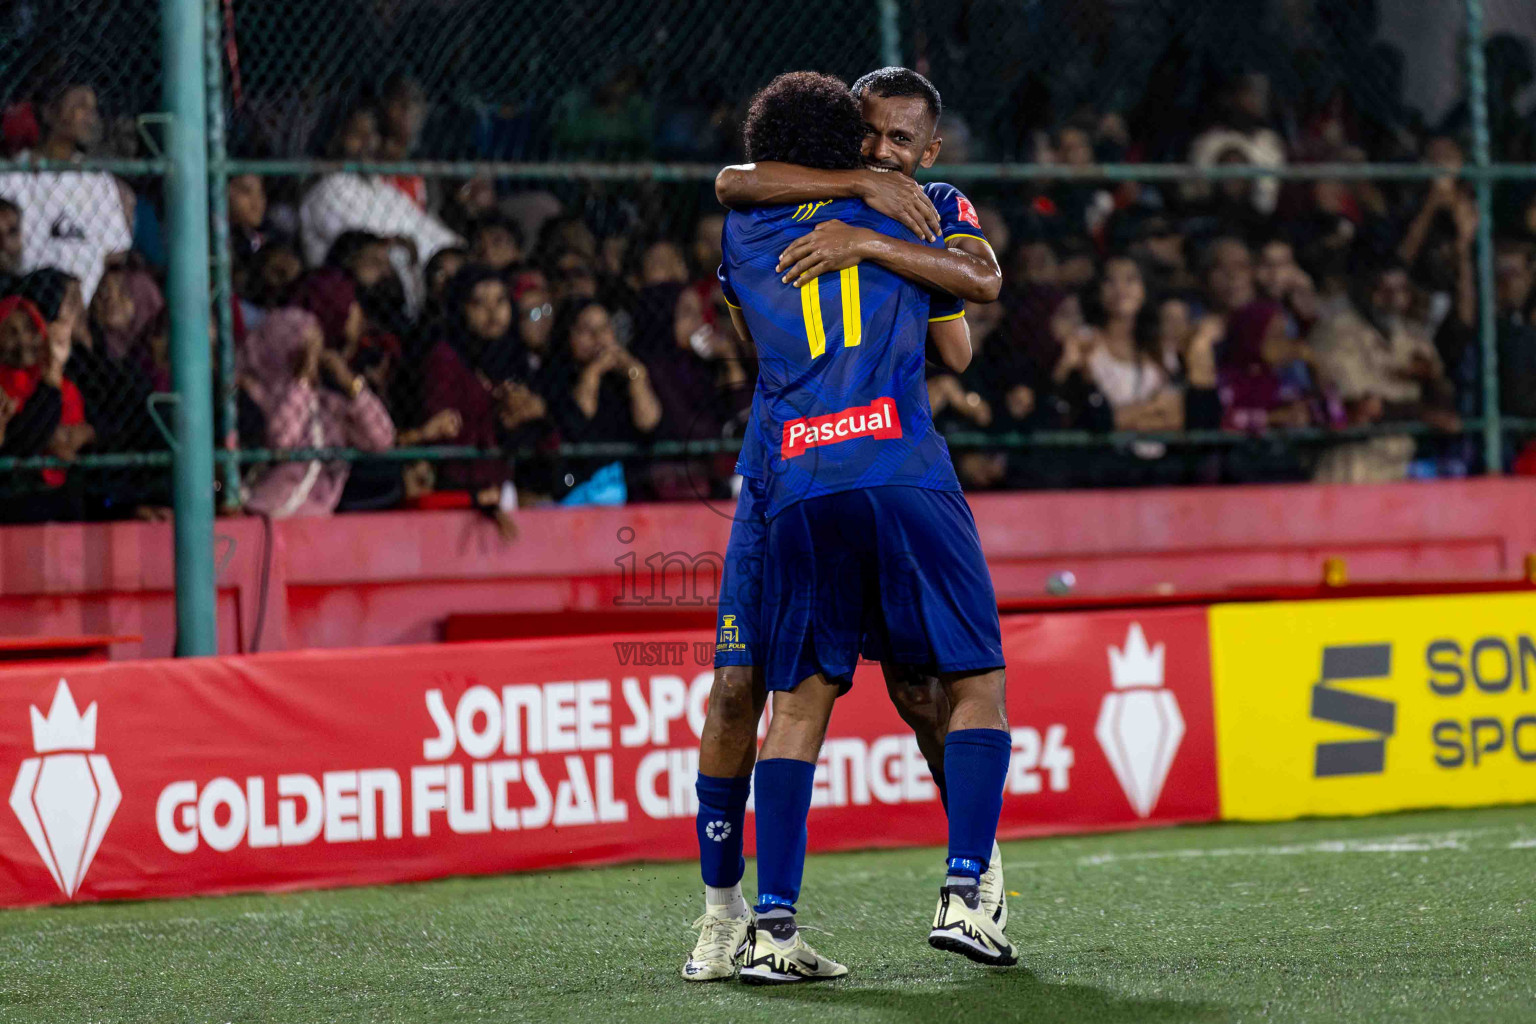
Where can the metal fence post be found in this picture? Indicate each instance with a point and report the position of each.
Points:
(890, 33)
(227, 437)
(1488, 337)
(186, 188)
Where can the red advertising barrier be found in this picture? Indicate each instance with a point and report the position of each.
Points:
(301, 770)
(1118, 704)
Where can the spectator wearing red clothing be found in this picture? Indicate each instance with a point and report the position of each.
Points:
(1279, 278)
(114, 383)
(331, 295)
(44, 413)
(1227, 272)
(476, 372)
(696, 371)
(402, 112)
(1256, 392)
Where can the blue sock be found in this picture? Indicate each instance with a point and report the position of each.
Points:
(783, 800)
(977, 759)
(722, 816)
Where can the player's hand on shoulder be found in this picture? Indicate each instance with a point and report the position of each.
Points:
(903, 200)
(831, 246)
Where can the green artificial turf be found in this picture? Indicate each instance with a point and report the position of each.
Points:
(1412, 917)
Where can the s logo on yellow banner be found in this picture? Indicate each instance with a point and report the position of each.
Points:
(1357, 707)
(1330, 703)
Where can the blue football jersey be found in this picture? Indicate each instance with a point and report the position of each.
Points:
(841, 400)
(957, 219)
(957, 214)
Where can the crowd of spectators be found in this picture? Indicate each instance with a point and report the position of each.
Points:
(569, 324)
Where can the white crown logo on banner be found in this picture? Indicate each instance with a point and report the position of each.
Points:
(65, 728)
(1136, 664)
(66, 796)
(1139, 725)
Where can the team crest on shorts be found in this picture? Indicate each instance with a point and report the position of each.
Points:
(730, 636)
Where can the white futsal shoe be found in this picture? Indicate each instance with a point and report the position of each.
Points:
(721, 941)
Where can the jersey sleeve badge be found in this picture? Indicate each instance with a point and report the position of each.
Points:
(967, 212)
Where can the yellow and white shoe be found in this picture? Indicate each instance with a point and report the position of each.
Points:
(721, 940)
(994, 896)
(966, 927)
(770, 962)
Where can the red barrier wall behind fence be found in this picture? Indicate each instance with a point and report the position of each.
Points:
(393, 578)
(324, 768)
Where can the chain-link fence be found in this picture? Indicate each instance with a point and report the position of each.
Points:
(83, 336)
(428, 216)
(593, 79)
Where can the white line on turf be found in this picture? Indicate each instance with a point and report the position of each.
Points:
(1386, 844)
(150, 924)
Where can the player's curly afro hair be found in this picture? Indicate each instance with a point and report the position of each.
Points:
(806, 118)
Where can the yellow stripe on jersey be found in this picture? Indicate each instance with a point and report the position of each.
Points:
(941, 319)
(853, 330)
(950, 238)
(810, 308)
(728, 302)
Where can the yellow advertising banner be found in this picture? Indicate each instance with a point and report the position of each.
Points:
(1361, 706)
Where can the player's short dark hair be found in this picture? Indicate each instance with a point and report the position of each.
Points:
(805, 118)
(888, 82)
(7, 206)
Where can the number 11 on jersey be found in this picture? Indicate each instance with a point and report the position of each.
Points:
(810, 309)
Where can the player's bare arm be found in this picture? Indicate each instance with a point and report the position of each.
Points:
(900, 137)
(967, 269)
(771, 183)
(744, 332)
(952, 340)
